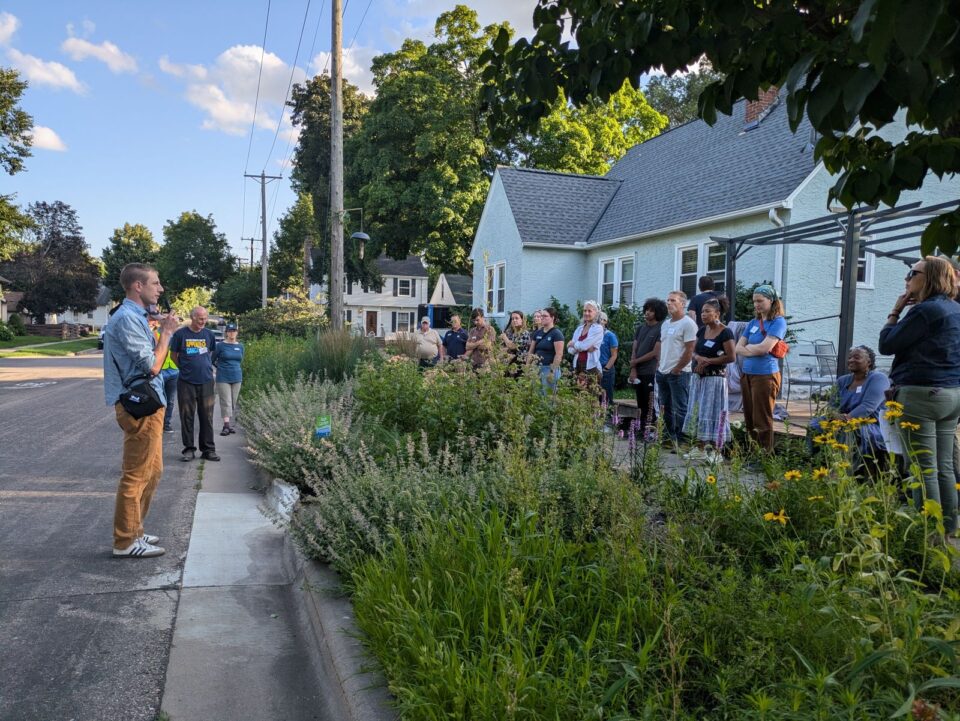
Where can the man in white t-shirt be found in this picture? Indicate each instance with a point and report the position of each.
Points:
(678, 335)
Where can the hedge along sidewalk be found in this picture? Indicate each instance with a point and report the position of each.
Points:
(352, 690)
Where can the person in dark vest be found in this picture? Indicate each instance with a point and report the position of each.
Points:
(707, 292)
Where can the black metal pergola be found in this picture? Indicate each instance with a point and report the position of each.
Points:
(861, 228)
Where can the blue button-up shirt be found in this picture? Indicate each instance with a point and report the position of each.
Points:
(128, 351)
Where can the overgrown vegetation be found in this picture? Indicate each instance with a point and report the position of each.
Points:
(502, 568)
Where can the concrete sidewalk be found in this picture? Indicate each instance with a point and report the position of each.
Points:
(238, 651)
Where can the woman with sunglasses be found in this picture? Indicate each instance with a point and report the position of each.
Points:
(925, 378)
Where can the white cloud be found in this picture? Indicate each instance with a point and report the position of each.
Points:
(87, 28)
(227, 90)
(106, 52)
(46, 139)
(8, 26)
(42, 72)
(356, 66)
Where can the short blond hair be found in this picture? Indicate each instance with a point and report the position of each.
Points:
(679, 293)
(135, 273)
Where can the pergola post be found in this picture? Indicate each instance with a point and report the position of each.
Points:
(732, 280)
(848, 290)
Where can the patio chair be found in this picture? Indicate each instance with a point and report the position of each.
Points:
(811, 365)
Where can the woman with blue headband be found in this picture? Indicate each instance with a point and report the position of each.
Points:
(760, 382)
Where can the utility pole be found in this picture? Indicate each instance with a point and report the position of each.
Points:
(263, 178)
(307, 262)
(335, 284)
(251, 241)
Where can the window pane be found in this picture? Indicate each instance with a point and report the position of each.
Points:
(626, 294)
(606, 294)
(500, 273)
(688, 261)
(608, 272)
(500, 299)
(716, 258)
(719, 282)
(688, 284)
(626, 271)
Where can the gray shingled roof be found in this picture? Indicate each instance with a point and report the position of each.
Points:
(556, 207)
(462, 288)
(696, 171)
(412, 266)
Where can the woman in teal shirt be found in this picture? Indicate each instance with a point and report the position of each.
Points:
(227, 357)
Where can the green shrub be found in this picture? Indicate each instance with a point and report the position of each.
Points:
(5, 332)
(296, 316)
(335, 354)
(271, 359)
(16, 324)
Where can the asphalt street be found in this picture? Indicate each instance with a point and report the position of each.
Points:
(83, 636)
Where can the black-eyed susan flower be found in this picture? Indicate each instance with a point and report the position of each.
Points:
(814, 498)
(819, 473)
(908, 426)
(780, 518)
(712, 479)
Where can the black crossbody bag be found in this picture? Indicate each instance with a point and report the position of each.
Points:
(139, 398)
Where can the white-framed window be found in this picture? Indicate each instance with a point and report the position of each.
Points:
(694, 261)
(864, 268)
(406, 287)
(495, 288)
(616, 281)
(403, 321)
(349, 315)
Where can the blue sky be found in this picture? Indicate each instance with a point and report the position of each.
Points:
(143, 110)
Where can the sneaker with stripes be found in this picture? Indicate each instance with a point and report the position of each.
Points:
(139, 549)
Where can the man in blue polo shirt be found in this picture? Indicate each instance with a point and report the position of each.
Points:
(191, 348)
(455, 339)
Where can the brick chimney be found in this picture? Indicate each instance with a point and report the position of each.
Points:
(756, 109)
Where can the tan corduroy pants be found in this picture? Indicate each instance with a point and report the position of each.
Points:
(141, 469)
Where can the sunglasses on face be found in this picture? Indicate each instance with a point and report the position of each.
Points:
(912, 273)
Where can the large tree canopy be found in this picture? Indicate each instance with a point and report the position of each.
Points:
(15, 141)
(849, 65)
(193, 254)
(129, 244)
(53, 267)
(676, 95)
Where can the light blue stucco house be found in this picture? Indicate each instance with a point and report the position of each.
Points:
(645, 227)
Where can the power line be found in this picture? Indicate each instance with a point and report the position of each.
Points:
(293, 69)
(360, 25)
(246, 163)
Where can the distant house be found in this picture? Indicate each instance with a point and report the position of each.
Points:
(9, 300)
(645, 227)
(97, 317)
(3, 300)
(390, 309)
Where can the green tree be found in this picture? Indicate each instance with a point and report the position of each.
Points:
(286, 250)
(15, 141)
(850, 66)
(241, 292)
(676, 95)
(421, 158)
(590, 138)
(129, 244)
(53, 267)
(193, 255)
(310, 111)
(189, 298)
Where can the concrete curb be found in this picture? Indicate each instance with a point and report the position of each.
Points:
(352, 690)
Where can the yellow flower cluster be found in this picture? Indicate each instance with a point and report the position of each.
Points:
(780, 518)
(712, 480)
(908, 426)
(894, 410)
(821, 472)
(792, 475)
(814, 498)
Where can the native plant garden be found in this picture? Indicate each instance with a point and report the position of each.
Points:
(502, 566)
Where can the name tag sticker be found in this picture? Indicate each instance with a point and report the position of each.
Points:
(708, 343)
(859, 389)
(671, 331)
(754, 329)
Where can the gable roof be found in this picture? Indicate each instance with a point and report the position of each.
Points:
(697, 171)
(462, 288)
(411, 266)
(557, 208)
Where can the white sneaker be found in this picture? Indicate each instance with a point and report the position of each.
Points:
(139, 549)
(151, 539)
